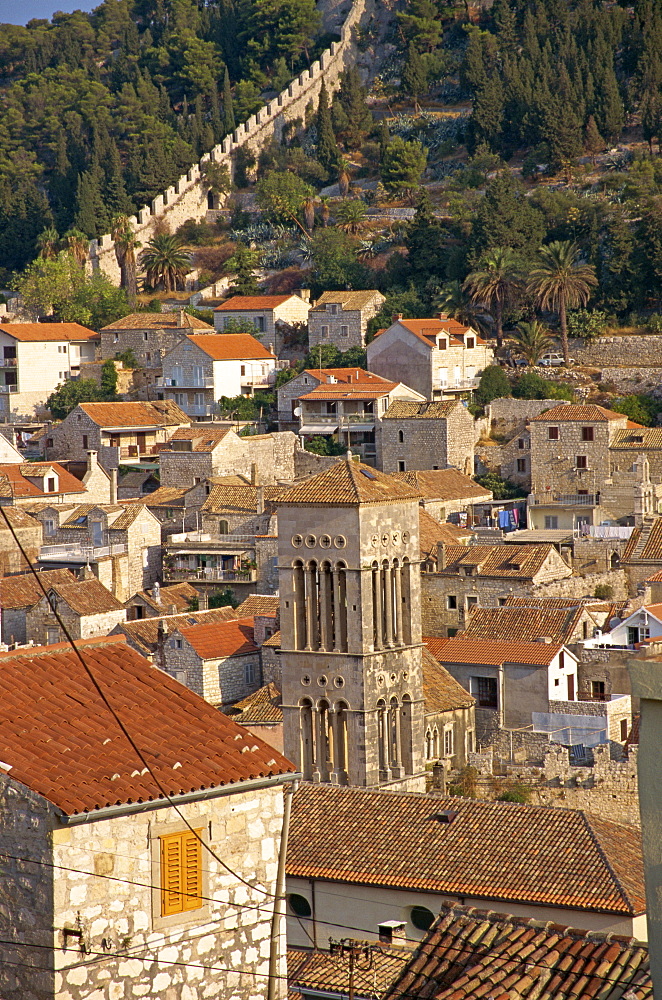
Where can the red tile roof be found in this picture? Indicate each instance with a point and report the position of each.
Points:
(231, 346)
(162, 413)
(211, 642)
(327, 974)
(354, 390)
(445, 484)
(587, 414)
(349, 482)
(472, 953)
(87, 597)
(441, 692)
(260, 707)
(158, 321)
(264, 605)
(537, 855)
(496, 652)
(14, 481)
(424, 328)
(514, 623)
(145, 631)
(344, 375)
(59, 739)
(239, 302)
(47, 331)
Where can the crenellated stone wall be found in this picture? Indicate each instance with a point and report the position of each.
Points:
(187, 197)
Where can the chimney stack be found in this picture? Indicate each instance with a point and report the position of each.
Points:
(441, 556)
(392, 931)
(113, 485)
(260, 500)
(396, 317)
(92, 460)
(183, 319)
(156, 592)
(203, 601)
(255, 476)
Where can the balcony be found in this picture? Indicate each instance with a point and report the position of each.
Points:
(8, 388)
(79, 553)
(563, 499)
(187, 382)
(200, 409)
(210, 574)
(8, 362)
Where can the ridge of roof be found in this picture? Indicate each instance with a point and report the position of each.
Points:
(348, 482)
(477, 649)
(156, 321)
(589, 412)
(237, 302)
(37, 332)
(163, 413)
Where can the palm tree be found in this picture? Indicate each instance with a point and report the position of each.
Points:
(165, 261)
(532, 340)
(126, 243)
(47, 243)
(343, 176)
(78, 244)
(496, 283)
(350, 215)
(560, 280)
(325, 211)
(455, 303)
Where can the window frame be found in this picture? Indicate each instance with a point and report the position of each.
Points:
(581, 462)
(553, 433)
(199, 914)
(481, 701)
(588, 434)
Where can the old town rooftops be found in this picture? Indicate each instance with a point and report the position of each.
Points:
(428, 330)
(488, 850)
(86, 597)
(160, 413)
(494, 652)
(471, 953)
(441, 692)
(219, 639)
(261, 707)
(23, 591)
(178, 320)
(230, 347)
(238, 303)
(59, 739)
(514, 623)
(444, 484)
(349, 482)
(507, 561)
(15, 480)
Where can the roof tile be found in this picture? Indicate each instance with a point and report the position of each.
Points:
(47, 331)
(348, 482)
(231, 346)
(214, 640)
(161, 413)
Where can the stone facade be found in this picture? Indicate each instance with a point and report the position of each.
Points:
(42, 628)
(110, 940)
(29, 532)
(40, 366)
(149, 343)
(341, 318)
(453, 731)
(426, 440)
(220, 680)
(270, 318)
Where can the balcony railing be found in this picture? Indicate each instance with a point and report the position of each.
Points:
(8, 388)
(189, 382)
(360, 417)
(460, 383)
(201, 409)
(79, 553)
(563, 499)
(8, 362)
(212, 574)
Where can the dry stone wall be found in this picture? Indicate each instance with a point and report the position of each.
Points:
(187, 198)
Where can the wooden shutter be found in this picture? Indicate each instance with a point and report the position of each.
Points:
(181, 873)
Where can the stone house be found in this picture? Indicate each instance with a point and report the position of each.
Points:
(205, 367)
(440, 358)
(109, 888)
(99, 485)
(159, 600)
(643, 553)
(567, 622)
(122, 544)
(32, 481)
(149, 335)
(291, 392)
(29, 532)
(148, 635)
(510, 679)
(510, 459)
(434, 534)
(450, 723)
(419, 436)
(341, 318)
(242, 562)
(219, 661)
(402, 857)
(136, 483)
(18, 594)
(176, 508)
(85, 605)
(36, 359)
(446, 493)
(270, 315)
(348, 407)
(485, 575)
(120, 433)
(260, 712)
(244, 510)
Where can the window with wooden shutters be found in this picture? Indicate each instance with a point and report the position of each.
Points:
(181, 873)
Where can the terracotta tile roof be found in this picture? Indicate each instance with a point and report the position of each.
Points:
(238, 499)
(14, 481)
(507, 561)
(529, 624)
(262, 706)
(405, 409)
(145, 631)
(490, 850)
(239, 302)
(157, 321)
(265, 605)
(435, 644)
(231, 347)
(348, 482)
(273, 641)
(637, 439)
(320, 972)
(642, 546)
(87, 597)
(230, 480)
(23, 591)
(348, 300)
(218, 639)
(164, 496)
(18, 519)
(60, 740)
(347, 390)
(588, 414)
(201, 438)
(130, 514)
(162, 413)
(431, 531)
(47, 331)
(444, 484)
(177, 594)
(496, 652)
(477, 953)
(441, 692)
(326, 375)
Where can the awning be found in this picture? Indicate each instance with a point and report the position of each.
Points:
(318, 429)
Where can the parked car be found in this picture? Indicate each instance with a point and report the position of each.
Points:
(552, 360)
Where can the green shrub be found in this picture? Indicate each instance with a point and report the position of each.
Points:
(603, 591)
(642, 409)
(502, 489)
(493, 385)
(587, 323)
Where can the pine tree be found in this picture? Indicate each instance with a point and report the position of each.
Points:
(88, 195)
(487, 116)
(228, 109)
(114, 192)
(593, 141)
(413, 79)
(384, 138)
(611, 115)
(615, 263)
(327, 148)
(352, 95)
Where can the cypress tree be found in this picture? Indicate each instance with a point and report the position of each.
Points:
(88, 196)
(115, 197)
(384, 138)
(593, 141)
(229, 124)
(327, 149)
(413, 79)
(215, 113)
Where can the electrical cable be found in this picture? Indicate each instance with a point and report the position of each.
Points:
(121, 725)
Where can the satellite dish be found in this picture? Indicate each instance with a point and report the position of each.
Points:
(297, 411)
(614, 622)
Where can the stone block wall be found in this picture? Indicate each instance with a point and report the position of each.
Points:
(641, 350)
(427, 443)
(187, 198)
(506, 414)
(40, 620)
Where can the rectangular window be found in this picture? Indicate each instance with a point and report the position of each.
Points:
(471, 602)
(471, 744)
(402, 466)
(553, 433)
(502, 602)
(249, 673)
(581, 462)
(451, 602)
(181, 398)
(448, 742)
(52, 636)
(470, 342)
(521, 465)
(50, 485)
(259, 323)
(598, 690)
(442, 343)
(243, 369)
(84, 440)
(49, 526)
(561, 660)
(145, 335)
(344, 331)
(624, 730)
(485, 691)
(325, 333)
(181, 873)
(587, 433)
(551, 522)
(520, 443)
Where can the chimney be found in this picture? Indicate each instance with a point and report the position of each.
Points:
(156, 592)
(396, 317)
(546, 639)
(203, 602)
(113, 485)
(183, 321)
(392, 931)
(260, 500)
(441, 556)
(161, 636)
(92, 462)
(255, 476)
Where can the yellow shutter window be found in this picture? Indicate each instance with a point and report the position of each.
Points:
(181, 873)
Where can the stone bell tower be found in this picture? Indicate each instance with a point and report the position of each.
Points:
(350, 628)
